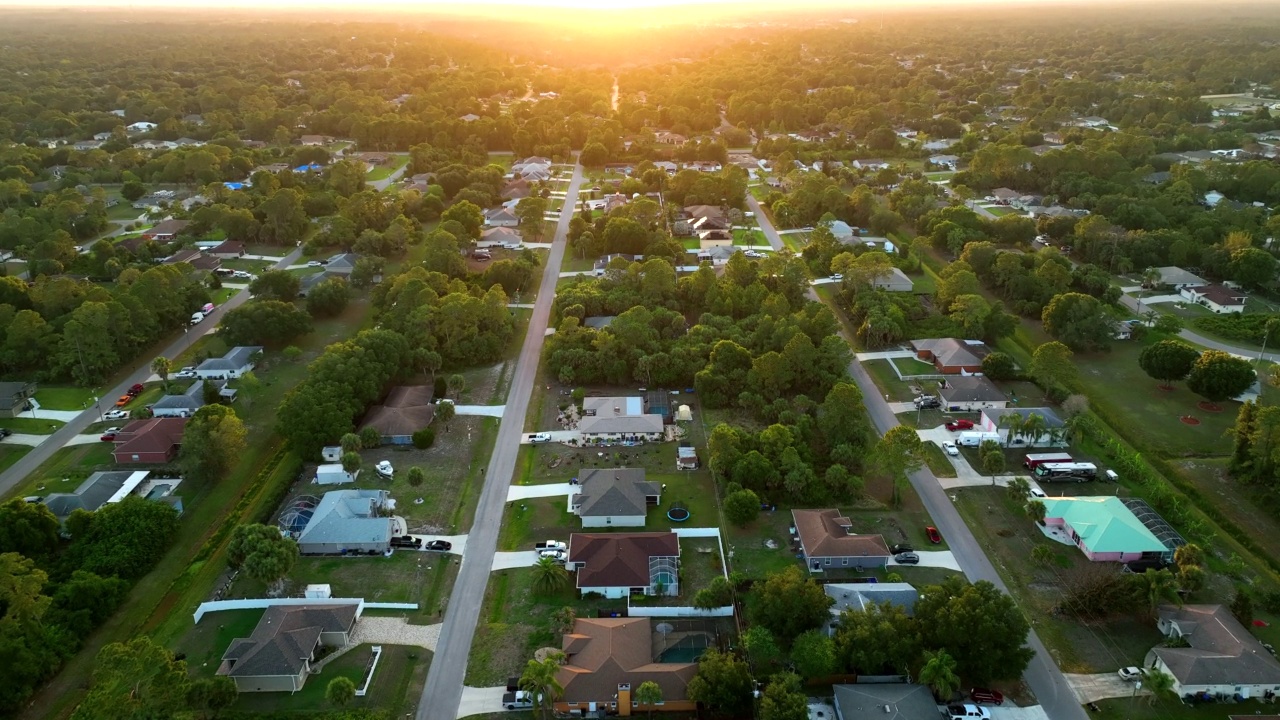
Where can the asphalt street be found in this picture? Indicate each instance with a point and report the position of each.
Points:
(141, 371)
(1133, 304)
(1045, 679)
(442, 695)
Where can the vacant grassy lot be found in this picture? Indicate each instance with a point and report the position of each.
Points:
(382, 172)
(54, 397)
(887, 380)
(910, 366)
(1007, 535)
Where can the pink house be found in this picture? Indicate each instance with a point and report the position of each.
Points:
(1105, 529)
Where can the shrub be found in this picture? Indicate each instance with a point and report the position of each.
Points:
(424, 438)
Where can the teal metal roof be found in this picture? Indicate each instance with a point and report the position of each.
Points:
(1104, 524)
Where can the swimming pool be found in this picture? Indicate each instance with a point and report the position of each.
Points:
(685, 650)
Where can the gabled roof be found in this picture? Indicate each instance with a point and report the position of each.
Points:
(825, 533)
(950, 351)
(1221, 295)
(971, 388)
(284, 639)
(190, 399)
(167, 227)
(149, 436)
(1104, 524)
(235, 359)
(344, 263)
(406, 410)
(860, 596)
(619, 559)
(1172, 275)
(603, 653)
(1222, 652)
(101, 488)
(349, 516)
(501, 235)
(621, 491)
(501, 215)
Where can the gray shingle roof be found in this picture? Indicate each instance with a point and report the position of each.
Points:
(93, 493)
(192, 399)
(236, 358)
(284, 639)
(859, 596)
(970, 389)
(1222, 652)
(620, 491)
(348, 516)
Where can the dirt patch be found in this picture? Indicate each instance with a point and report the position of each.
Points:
(1207, 406)
(1189, 420)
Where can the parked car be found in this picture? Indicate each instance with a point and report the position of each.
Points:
(1037, 493)
(540, 437)
(186, 372)
(241, 274)
(136, 389)
(960, 424)
(384, 469)
(967, 712)
(935, 537)
(518, 700)
(109, 434)
(837, 276)
(950, 448)
(557, 555)
(983, 695)
(406, 541)
(928, 402)
(907, 558)
(124, 400)
(115, 415)
(5, 432)
(1129, 674)
(901, 548)
(315, 263)
(439, 545)
(551, 545)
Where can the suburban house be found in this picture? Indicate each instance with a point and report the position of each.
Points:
(1105, 529)
(827, 542)
(857, 597)
(498, 236)
(870, 164)
(604, 262)
(341, 264)
(666, 166)
(617, 565)
(149, 442)
(708, 239)
(695, 217)
(598, 322)
(182, 405)
(842, 230)
(100, 488)
(310, 282)
(1177, 278)
(238, 361)
(406, 410)
(618, 418)
(669, 138)
(515, 189)
(606, 661)
(718, 255)
(946, 161)
(1005, 196)
(534, 169)
(165, 230)
(195, 258)
(951, 356)
(228, 250)
(1223, 655)
(277, 656)
(970, 393)
(614, 497)
(893, 281)
(884, 701)
(990, 421)
(14, 397)
(351, 522)
(140, 126)
(1218, 298)
(501, 217)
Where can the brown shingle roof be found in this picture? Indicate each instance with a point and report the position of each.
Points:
(1222, 295)
(284, 639)
(407, 410)
(619, 559)
(150, 436)
(950, 351)
(167, 227)
(824, 533)
(605, 652)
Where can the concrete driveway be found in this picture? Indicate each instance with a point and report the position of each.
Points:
(485, 410)
(556, 436)
(517, 559)
(481, 701)
(1100, 686)
(39, 413)
(459, 543)
(932, 558)
(523, 492)
(1009, 712)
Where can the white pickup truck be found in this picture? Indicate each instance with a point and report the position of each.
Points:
(540, 437)
(518, 700)
(551, 545)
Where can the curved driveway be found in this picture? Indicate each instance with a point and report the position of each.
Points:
(1251, 353)
(1046, 680)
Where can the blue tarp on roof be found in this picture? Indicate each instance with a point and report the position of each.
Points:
(307, 168)
(234, 185)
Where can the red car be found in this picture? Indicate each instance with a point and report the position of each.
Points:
(960, 425)
(983, 695)
(136, 390)
(107, 437)
(934, 536)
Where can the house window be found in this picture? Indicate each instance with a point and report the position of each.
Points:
(827, 561)
(845, 562)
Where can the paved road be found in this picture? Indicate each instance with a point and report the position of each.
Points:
(142, 370)
(1043, 675)
(385, 183)
(442, 695)
(1251, 353)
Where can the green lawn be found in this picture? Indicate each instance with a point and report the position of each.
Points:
(887, 380)
(923, 284)
(1141, 708)
(382, 172)
(911, 366)
(1151, 413)
(691, 244)
(937, 461)
(123, 210)
(31, 426)
(54, 397)
(1000, 211)
(66, 469)
(10, 454)
(749, 237)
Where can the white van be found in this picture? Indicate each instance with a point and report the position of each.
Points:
(196, 317)
(974, 439)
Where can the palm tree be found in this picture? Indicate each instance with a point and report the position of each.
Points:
(539, 678)
(1036, 511)
(1018, 489)
(1012, 422)
(549, 576)
(1161, 586)
(649, 693)
(939, 673)
(1034, 427)
(1151, 277)
(1159, 682)
(161, 367)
